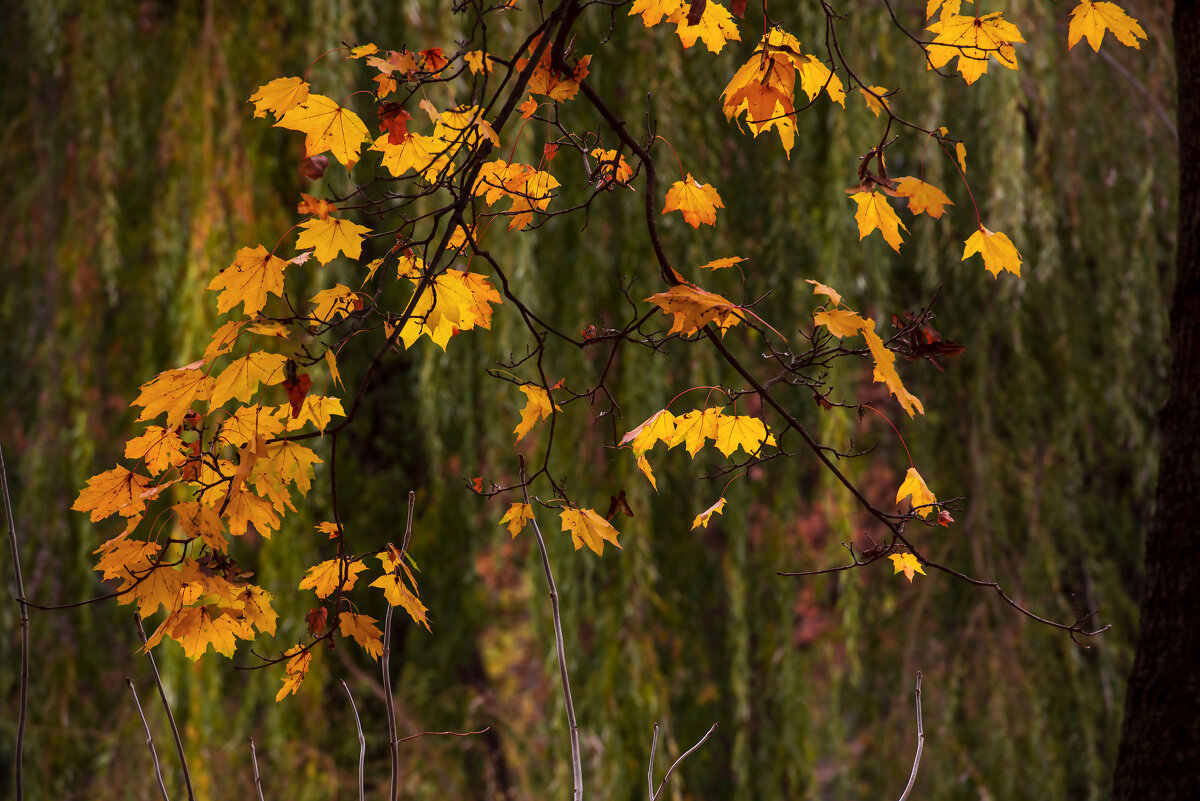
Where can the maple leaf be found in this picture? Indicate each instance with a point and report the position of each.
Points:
(721, 264)
(698, 202)
(815, 76)
(840, 322)
(453, 303)
(821, 289)
(243, 376)
(327, 126)
(611, 168)
(874, 212)
(334, 303)
(325, 578)
(158, 448)
(393, 121)
(907, 564)
(885, 370)
(586, 527)
(297, 391)
(256, 609)
(715, 27)
(331, 236)
(528, 188)
(318, 410)
(998, 251)
(173, 392)
(248, 423)
(423, 154)
(764, 88)
(537, 407)
(923, 197)
(516, 517)
(315, 206)
(972, 40)
(363, 630)
(478, 62)
(198, 520)
(198, 627)
(694, 428)
(279, 96)
(701, 520)
(331, 363)
(253, 275)
(362, 51)
(397, 594)
(741, 431)
(915, 489)
(660, 427)
(294, 672)
(643, 464)
(693, 308)
(122, 557)
(1092, 19)
(117, 491)
(244, 509)
(154, 588)
(875, 98)
(528, 108)
(291, 462)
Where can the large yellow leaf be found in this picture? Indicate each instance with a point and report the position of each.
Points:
(922, 197)
(741, 431)
(198, 627)
(694, 428)
(173, 392)
(327, 126)
(1091, 20)
(117, 491)
(840, 322)
(697, 202)
(253, 274)
(158, 448)
(874, 212)
(972, 40)
(693, 308)
(324, 578)
(279, 96)
(516, 517)
(659, 428)
(588, 528)
(243, 376)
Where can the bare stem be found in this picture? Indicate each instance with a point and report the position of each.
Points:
(662, 785)
(162, 787)
(362, 746)
(257, 778)
(18, 759)
(388, 700)
(912, 777)
(573, 726)
(162, 694)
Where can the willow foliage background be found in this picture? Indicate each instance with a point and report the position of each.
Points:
(134, 173)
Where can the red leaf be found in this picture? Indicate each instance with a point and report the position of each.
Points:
(316, 620)
(296, 392)
(314, 167)
(696, 12)
(393, 120)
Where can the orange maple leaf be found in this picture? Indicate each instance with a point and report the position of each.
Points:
(698, 202)
(363, 630)
(253, 275)
(294, 672)
(923, 197)
(243, 376)
(158, 448)
(173, 392)
(907, 564)
(693, 308)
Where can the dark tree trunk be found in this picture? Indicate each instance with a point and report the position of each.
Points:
(1159, 756)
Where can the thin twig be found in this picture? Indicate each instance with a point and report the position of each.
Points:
(162, 694)
(388, 700)
(912, 777)
(18, 773)
(484, 730)
(162, 787)
(650, 769)
(576, 761)
(362, 746)
(257, 778)
(682, 757)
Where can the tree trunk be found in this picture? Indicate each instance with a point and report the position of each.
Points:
(1160, 740)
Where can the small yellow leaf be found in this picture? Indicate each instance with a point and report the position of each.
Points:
(643, 464)
(885, 370)
(538, 406)
(363, 630)
(588, 528)
(701, 519)
(294, 672)
(907, 564)
(914, 488)
(998, 251)
(333, 304)
(923, 197)
(331, 236)
(821, 289)
(875, 99)
(158, 447)
(721, 264)
(516, 517)
(874, 212)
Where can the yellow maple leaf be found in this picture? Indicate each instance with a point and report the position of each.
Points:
(318, 207)
(152, 589)
(316, 409)
(173, 392)
(478, 62)
(334, 303)
(331, 363)
(198, 627)
(294, 672)
(721, 264)
(324, 578)
(660, 427)
(159, 448)
(701, 520)
(528, 188)
(516, 517)
(1091, 20)
(885, 370)
(875, 98)
(243, 376)
(915, 489)
(611, 167)
(398, 594)
(291, 462)
(423, 154)
(117, 491)
(694, 428)
(643, 464)
(840, 322)
(973, 40)
(331, 236)
(256, 609)
(653, 11)
(279, 96)
(764, 88)
(715, 27)
(253, 274)
(815, 76)
(363, 630)
(327, 126)
(198, 520)
(124, 558)
(586, 527)
(455, 302)
(923, 197)
(693, 308)
(244, 509)
(907, 564)
(998, 251)
(741, 431)
(821, 289)
(697, 202)
(537, 407)
(248, 423)
(874, 212)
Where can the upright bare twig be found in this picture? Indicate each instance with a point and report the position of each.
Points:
(162, 694)
(162, 787)
(18, 772)
(912, 777)
(576, 760)
(257, 778)
(362, 746)
(388, 700)
(654, 794)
